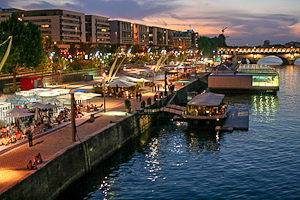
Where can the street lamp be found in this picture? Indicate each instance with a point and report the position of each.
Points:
(73, 122)
(104, 91)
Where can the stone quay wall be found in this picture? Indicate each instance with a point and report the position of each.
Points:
(70, 164)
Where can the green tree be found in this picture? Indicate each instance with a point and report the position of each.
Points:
(26, 51)
(208, 45)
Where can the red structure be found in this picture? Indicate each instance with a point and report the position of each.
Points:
(31, 82)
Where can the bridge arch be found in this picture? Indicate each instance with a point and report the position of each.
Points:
(273, 60)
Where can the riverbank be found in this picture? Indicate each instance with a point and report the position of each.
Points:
(66, 161)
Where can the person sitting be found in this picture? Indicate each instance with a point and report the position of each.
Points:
(38, 158)
(31, 165)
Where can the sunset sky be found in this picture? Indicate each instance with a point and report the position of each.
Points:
(248, 21)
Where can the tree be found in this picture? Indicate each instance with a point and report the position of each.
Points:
(208, 45)
(26, 51)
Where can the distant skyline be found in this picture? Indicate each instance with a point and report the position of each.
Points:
(248, 22)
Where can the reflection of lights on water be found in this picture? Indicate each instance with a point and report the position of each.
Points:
(153, 164)
(105, 187)
(264, 105)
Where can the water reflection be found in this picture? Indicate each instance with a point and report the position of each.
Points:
(153, 165)
(200, 142)
(265, 105)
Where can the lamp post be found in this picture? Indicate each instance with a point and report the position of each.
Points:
(73, 123)
(104, 91)
(166, 83)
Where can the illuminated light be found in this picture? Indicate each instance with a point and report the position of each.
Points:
(116, 113)
(45, 26)
(9, 176)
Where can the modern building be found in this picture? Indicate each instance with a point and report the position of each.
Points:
(171, 34)
(61, 25)
(140, 35)
(121, 32)
(97, 29)
(158, 36)
(5, 14)
(185, 39)
(250, 78)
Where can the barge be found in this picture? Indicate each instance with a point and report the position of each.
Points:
(245, 78)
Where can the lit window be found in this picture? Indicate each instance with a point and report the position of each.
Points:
(45, 26)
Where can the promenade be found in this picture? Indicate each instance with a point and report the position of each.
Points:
(13, 162)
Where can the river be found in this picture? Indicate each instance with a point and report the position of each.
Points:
(176, 163)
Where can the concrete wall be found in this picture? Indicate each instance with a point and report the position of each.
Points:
(72, 163)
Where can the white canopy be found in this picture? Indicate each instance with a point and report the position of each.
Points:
(43, 92)
(133, 79)
(85, 96)
(121, 83)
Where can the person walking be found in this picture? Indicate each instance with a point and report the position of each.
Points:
(29, 137)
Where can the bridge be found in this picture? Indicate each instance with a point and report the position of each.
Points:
(288, 55)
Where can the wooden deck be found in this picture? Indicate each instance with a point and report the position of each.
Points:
(238, 118)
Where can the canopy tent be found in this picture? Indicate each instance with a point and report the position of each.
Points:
(207, 99)
(83, 96)
(38, 105)
(121, 83)
(19, 112)
(49, 106)
(135, 80)
(20, 100)
(54, 92)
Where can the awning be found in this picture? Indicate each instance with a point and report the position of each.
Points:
(19, 112)
(121, 83)
(207, 99)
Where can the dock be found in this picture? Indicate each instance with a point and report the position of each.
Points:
(238, 118)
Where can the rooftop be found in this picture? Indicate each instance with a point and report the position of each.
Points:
(207, 99)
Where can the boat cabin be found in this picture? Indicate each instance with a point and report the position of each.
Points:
(206, 106)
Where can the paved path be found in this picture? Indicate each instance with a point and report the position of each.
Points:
(13, 163)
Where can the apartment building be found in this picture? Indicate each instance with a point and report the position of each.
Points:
(140, 35)
(121, 32)
(62, 26)
(97, 29)
(5, 14)
(158, 36)
(185, 39)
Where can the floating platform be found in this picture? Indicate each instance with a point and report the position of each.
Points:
(238, 118)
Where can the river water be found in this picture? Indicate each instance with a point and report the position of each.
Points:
(176, 163)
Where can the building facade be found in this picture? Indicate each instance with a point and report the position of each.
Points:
(121, 32)
(62, 26)
(97, 29)
(158, 36)
(185, 39)
(140, 35)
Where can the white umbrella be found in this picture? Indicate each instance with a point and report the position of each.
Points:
(19, 112)
(85, 96)
(121, 83)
